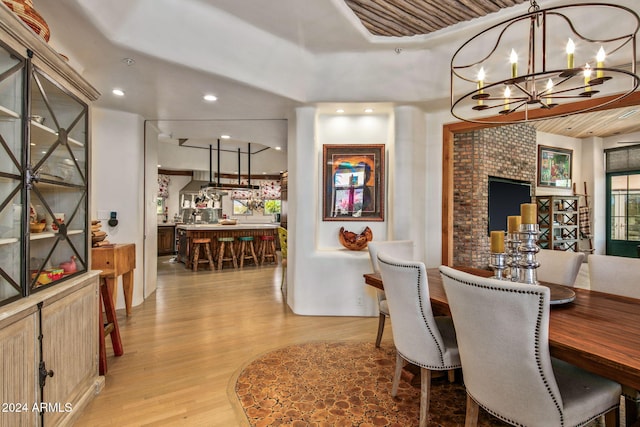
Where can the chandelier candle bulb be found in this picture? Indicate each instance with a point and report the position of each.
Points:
(549, 90)
(514, 64)
(571, 48)
(528, 213)
(497, 241)
(480, 84)
(600, 63)
(513, 223)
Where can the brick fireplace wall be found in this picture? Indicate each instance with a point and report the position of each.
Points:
(504, 152)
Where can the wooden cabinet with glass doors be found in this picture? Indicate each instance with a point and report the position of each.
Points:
(43, 179)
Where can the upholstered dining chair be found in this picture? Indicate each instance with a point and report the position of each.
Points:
(503, 335)
(399, 248)
(619, 276)
(615, 275)
(559, 267)
(420, 338)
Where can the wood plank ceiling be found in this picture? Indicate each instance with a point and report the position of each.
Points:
(405, 18)
(402, 18)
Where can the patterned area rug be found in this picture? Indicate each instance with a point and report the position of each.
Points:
(343, 384)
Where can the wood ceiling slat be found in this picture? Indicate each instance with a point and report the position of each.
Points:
(399, 18)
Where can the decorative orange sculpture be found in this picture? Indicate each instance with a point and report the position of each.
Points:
(353, 241)
(25, 11)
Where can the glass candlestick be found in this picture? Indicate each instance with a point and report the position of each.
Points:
(528, 249)
(514, 255)
(498, 263)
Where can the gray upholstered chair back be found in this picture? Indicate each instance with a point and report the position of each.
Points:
(402, 249)
(502, 331)
(615, 275)
(559, 267)
(415, 333)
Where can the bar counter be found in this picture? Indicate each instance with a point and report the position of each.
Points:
(188, 232)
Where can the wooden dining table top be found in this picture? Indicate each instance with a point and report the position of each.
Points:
(598, 332)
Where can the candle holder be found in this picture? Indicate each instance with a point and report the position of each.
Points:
(528, 250)
(513, 255)
(498, 263)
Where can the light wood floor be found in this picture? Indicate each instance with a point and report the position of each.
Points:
(184, 345)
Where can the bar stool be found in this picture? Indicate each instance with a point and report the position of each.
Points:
(226, 243)
(247, 250)
(267, 249)
(196, 243)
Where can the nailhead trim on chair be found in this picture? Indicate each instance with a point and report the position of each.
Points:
(442, 366)
(537, 344)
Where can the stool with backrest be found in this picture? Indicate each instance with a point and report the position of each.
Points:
(282, 236)
(502, 329)
(226, 252)
(268, 248)
(196, 243)
(247, 250)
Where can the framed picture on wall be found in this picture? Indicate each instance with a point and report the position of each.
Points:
(554, 167)
(353, 182)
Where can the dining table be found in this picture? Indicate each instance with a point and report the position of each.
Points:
(595, 331)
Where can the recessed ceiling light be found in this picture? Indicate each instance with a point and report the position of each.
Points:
(278, 148)
(118, 92)
(128, 61)
(159, 166)
(340, 111)
(368, 110)
(210, 98)
(225, 136)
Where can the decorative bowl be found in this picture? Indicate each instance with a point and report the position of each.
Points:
(228, 221)
(37, 227)
(353, 241)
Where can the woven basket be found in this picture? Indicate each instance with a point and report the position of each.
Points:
(25, 11)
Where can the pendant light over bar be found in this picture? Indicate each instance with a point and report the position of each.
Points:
(545, 58)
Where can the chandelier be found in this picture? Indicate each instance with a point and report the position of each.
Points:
(543, 59)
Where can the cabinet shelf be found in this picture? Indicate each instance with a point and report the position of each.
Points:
(8, 241)
(558, 220)
(50, 234)
(7, 113)
(40, 132)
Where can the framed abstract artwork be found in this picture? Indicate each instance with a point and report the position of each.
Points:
(353, 182)
(554, 167)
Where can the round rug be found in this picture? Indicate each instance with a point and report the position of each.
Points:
(342, 384)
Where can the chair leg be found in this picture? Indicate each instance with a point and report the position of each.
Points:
(397, 374)
(612, 418)
(451, 374)
(381, 320)
(471, 417)
(425, 383)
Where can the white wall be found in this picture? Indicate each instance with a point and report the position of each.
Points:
(325, 278)
(117, 183)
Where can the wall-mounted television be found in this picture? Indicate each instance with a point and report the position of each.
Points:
(505, 198)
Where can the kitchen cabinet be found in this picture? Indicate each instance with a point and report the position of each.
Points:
(558, 219)
(166, 239)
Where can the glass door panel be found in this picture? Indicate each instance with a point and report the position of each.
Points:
(58, 157)
(623, 213)
(11, 173)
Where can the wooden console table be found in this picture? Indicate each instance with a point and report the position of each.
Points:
(119, 260)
